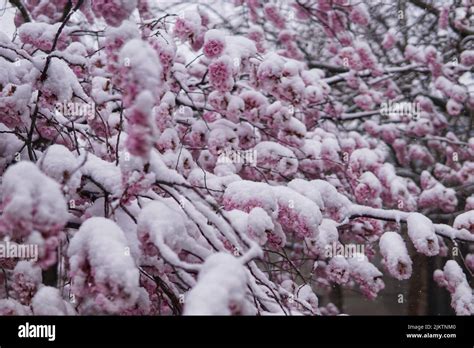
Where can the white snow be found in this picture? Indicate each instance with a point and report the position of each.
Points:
(454, 280)
(98, 253)
(145, 67)
(48, 301)
(220, 289)
(395, 254)
(12, 307)
(107, 174)
(61, 165)
(245, 195)
(465, 221)
(32, 200)
(9, 146)
(422, 233)
(62, 82)
(165, 227)
(307, 189)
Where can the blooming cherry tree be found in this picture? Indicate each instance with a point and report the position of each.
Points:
(213, 157)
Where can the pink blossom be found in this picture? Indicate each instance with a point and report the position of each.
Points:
(389, 40)
(360, 14)
(187, 26)
(467, 57)
(453, 107)
(220, 74)
(274, 16)
(443, 20)
(364, 101)
(214, 43)
(114, 11)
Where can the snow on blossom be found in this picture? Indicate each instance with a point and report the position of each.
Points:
(366, 275)
(326, 236)
(221, 288)
(214, 43)
(162, 229)
(453, 107)
(26, 281)
(338, 270)
(276, 159)
(458, 93)
(188, 25)
(141, 126)
(438, 196)
(219, 183)
(454, 280)
(115, 39)
(240, 49)
(362, 160)
(221, 74)
(270, 70)
(257, 35)
(422, 234)
(470, 261)
(389, 39)
(9, 147)
(336, 205)
(360, 14)
(104, 276)
(465, 221)
(9, 306)
(166, 49)
(257, 224)
(296, 213)
(114, 12)
(222, 139)
(293, 132)
(364, 101)
(395, 254)
(104, 173)
(368, 190)
(61, 165)
(141, 69)
(13, 102)
(31, 201)
(240, 195)
(42, 35)
(274, 15)
(48, 301)
(467, 57)
(305, 293)
(307, 189)
(61, 83)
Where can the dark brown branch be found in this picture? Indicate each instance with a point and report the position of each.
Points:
(24, 13)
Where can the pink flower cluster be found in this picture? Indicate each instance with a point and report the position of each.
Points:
(221, 74)
(141, 130)
(114, 12)
(360, 14)
(454, 280)
(274, 16)
(214, 43)
(26, 281)
(188, 26)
